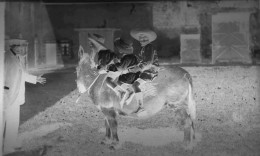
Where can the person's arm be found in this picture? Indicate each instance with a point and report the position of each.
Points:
(155, 58)
(148, 57)
(30, 78)
(151, 59)
(34, 79)
(155, 65)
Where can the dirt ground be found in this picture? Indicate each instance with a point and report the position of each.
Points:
(228, 119)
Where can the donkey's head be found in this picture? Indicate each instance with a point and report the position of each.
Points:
(85, 73)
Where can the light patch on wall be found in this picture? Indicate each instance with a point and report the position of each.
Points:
(167, 15)
(174, 15)
(171, 33)
(238, 4)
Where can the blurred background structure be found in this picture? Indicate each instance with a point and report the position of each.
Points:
(189, 31)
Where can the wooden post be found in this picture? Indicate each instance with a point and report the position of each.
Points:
(2, 51)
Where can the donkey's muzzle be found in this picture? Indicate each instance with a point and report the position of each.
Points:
(81, 87)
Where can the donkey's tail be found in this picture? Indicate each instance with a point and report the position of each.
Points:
(191, 104)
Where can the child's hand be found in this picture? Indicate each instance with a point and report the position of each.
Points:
(135, 69)
(102, 71)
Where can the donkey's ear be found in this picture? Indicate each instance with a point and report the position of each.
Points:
(80, 52)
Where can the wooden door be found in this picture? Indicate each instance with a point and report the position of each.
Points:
(230, 38)
(190, 48)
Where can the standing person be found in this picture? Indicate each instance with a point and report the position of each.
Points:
(148, 62)
(14, 94)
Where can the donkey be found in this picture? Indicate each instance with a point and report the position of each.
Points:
(172, 87)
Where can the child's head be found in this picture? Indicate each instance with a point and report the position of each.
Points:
(123, 46)
(105, 57)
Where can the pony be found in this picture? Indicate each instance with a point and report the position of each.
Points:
(172, 87)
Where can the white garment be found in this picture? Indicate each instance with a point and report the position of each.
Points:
(24, 78)
(11, 124)
(15, 78)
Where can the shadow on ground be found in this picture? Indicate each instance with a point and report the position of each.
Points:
(39, 97)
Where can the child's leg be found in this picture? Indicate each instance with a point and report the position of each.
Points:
(110, 82)
(126, 98)
(114, 86)
(127, 79)
(137, 92)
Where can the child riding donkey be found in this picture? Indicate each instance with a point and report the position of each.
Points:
(126, 68)
(137, 69)
(115, 64)
(148, 64)
(132, 69)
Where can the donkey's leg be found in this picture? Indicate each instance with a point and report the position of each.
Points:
(113, 127)
(107, 139)
(112, 124)
(115, 140)
(189, 133)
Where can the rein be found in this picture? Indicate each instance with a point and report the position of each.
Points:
(88, 89)
(90, 86)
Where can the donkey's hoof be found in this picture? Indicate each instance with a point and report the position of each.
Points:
(115, 146)
(188, 145)
(106, 141)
